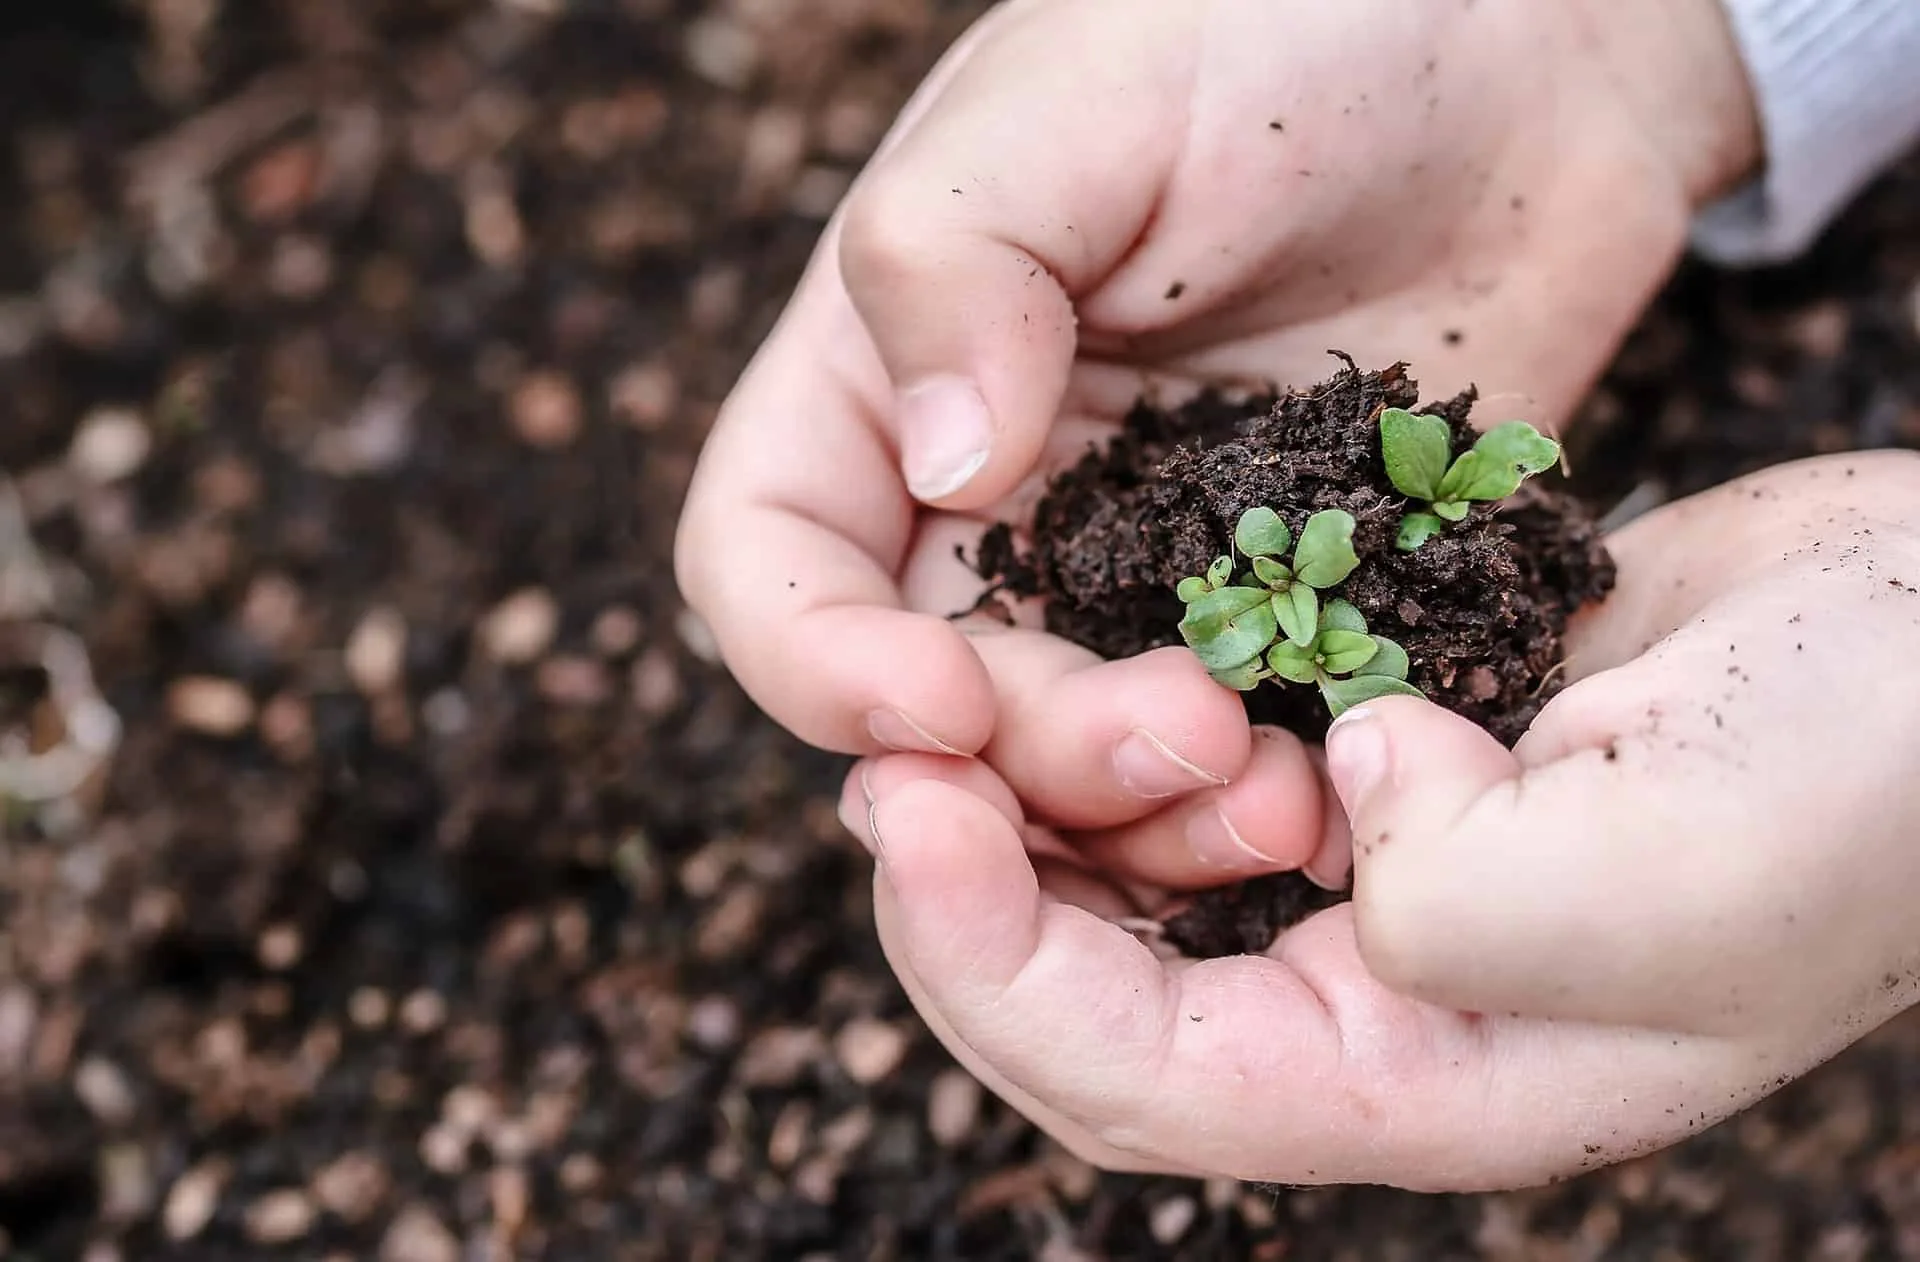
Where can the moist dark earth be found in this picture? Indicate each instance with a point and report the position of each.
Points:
(1481, 608)
(444, 899)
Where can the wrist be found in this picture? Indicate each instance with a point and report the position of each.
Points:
(1678, 71)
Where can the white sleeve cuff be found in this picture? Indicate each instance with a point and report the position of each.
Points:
(1837, 83)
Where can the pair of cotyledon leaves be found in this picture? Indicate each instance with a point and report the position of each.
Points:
(1418, 451)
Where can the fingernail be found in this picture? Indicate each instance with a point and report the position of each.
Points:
(1147, 767)
(945, 435)
(902, 735)
(1330, 870)
(1217, 844)
(1356, 757)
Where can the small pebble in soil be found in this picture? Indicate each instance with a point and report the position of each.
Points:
(127, 1186)
(351, 1186)
(279, 948)
(280, 1217)
(713, 1023)
(573, 681)
(417, 1235)
(193, 1199)
(444, 1149)
(422, 1012)
(546, 410)
(103, 1088)
(111, 444)
(616, 631)
(369, 1007)
(210, 706)
(869, 1050)
(645, 395)
(953, 1107)
(521, 627)
(1171, 1219)
(376, 652)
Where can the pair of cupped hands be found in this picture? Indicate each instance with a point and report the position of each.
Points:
(1692, 880)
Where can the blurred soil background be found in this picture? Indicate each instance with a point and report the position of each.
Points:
(444, 900)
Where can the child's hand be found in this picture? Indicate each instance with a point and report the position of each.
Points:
(1091, 197)
(1693, 881)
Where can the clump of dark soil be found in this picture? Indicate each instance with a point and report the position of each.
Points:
(1481, 609)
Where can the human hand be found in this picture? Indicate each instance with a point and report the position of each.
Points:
(1088, 201)
(1691, 881)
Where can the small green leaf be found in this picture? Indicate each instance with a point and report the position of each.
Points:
(1417, 528)
(1192, 589)
(1298, 612)
(1342, 695)
(1229, 627)
(1325, 554)
(1261, 533)
(1220, 571)
(1470, 470)
(1452, 510)
(1505, 456)
(1519, 446)
(1415, 448)
(1271, 572)
(1243, 678)
(1209, 615)
(1342, 652)
(1340, 615)
(1290, 661)
(1391, 661)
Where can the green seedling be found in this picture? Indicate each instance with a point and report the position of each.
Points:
(1270, 622)
(1230, 623)
(1347, 664)
(1418, 450)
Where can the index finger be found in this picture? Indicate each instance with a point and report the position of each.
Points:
(795, 524)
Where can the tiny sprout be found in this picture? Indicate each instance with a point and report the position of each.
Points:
(1229, 626)
(1417, 449)
(1348, 665)
(1272, 624)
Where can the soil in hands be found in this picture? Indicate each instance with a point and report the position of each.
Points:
(1480, 609)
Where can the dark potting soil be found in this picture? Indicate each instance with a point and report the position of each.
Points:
(1481, 608)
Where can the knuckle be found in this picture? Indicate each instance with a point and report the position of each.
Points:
(882, 238)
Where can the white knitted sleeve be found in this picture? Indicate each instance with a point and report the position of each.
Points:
(1838, 87)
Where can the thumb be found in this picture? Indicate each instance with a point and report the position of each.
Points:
(1407, 772)
(1011, 191)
